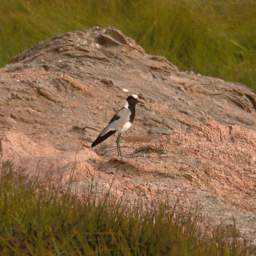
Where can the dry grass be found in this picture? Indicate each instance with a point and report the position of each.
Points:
(40, 221)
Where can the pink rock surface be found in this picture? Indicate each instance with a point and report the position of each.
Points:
(195, 138)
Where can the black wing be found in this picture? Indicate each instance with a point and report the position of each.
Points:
(102, 138)
(114, 118)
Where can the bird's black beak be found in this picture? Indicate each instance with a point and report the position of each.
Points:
(141, 101)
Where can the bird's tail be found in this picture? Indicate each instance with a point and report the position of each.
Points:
(102, 138)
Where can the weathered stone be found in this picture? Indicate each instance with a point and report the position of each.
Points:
(56, 96)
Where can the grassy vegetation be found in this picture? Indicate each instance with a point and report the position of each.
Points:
(38, 221)
(211, 37)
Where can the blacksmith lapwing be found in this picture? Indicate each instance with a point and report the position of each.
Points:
(120, 122)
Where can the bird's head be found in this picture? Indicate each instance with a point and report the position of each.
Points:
(134, 99)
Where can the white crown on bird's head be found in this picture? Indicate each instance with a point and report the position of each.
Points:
(134, 99)
(135, 96)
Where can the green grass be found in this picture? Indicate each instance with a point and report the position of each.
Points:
(39, 221)
(212, 37)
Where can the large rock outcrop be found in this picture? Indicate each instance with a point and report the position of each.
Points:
(195, 139)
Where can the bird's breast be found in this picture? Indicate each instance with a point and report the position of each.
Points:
(126, 126)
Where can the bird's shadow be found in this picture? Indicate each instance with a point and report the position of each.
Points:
(110, 152)
(130, 152)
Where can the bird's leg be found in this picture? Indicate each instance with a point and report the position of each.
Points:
(118, 145)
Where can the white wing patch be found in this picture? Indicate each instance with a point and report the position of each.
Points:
(120, 124)
(126, 126)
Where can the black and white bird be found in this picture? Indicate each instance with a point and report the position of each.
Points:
(120, 122)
